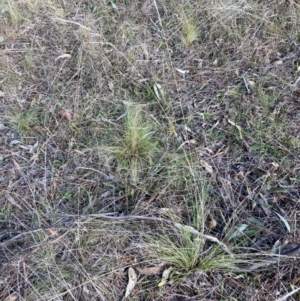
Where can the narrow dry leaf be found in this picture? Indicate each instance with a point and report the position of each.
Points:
(26, 271)
(18, 167)
(158, 91)
(237, 127)
(11, 297)
(78, 151)
(151, 271)
(113, 4)
(284, 221)
(53, 232)
(256, 222)
(221, 152)
(66, 114)
(275, 165)
(121, 117)
(263, 202)
(192, 141)
(12, 201)
(14, 142)
(238, 232)
(206, 166)
(209, 150)
(165, 276)
(34, 157)
(65, 55)
(213, 223)
(38, 128)
(111, 85)
(183, 72)
(2, 94)
(278, 63)
(132, 280)
(32, 148)
(276, 246)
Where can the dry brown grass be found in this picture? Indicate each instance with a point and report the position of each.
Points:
(210, 142)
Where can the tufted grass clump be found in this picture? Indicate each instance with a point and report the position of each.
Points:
(136, 148)
(24, 121)
(189, 31)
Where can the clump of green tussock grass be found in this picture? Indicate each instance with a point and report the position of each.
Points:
(189, 31)
(13, 14)
(23, 121)
(136, 148)
(216, 260)
(183, 249)
(182, 252)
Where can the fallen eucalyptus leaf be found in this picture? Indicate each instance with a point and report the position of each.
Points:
(158, 91)
(183, 72)
(284, 221)
(206, 166)
(65, 55)
(165, 276)
(276, 246)
(32, 148)
(66, 114)
(238, 232)
(113, 5)
(192, 141)
(215, 62)
(280, 62)
(12, 200)
(152, 270)
(237, 127)
(132, 280)
(14, 142)
(11, 297)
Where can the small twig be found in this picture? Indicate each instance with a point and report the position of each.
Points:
(246, 85)
(107, 121)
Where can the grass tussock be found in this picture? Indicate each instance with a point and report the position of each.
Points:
(136, 148)
(24, 121)
(161, 136)
(189, 31)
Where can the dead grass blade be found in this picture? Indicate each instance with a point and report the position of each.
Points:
(12, 201)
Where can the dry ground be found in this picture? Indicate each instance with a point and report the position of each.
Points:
(178, 119)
